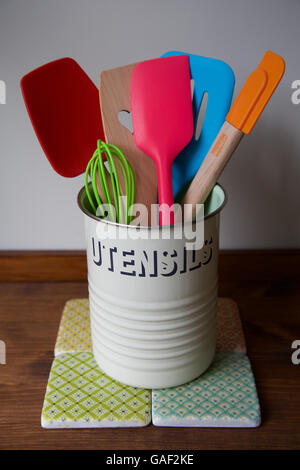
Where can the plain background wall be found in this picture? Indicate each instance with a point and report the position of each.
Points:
(38, 207)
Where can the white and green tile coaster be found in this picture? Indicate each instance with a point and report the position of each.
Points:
(79, 395)
(74, 331)
(224, 396)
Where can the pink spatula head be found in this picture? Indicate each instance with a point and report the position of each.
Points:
(162, 117)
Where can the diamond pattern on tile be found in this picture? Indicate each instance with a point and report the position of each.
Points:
(74, 332)
(230, 335)
(224, 396)
(80, 395)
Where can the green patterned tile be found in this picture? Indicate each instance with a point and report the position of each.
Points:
(74, 332)
(224, 396)
(80, 395)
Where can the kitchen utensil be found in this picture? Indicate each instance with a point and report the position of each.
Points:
(240, 120)
(118, 209)
(162, 118)
(216, 78)
(115, 97)
(63, 105)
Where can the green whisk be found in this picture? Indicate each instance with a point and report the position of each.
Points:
(96, 168)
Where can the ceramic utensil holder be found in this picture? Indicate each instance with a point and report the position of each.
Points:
(153, 302)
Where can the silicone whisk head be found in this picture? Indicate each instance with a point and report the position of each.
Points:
(113, 204)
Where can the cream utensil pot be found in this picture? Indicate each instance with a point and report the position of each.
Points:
(153, 301)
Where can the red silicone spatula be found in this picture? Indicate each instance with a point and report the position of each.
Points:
(162, 117)
(63, 105)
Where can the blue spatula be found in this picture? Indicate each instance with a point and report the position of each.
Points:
(215, 78)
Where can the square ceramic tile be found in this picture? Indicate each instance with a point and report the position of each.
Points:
(224, 396)
(80, 395)
(74, 332)
(230, 335)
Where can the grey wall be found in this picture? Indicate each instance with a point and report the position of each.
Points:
(38, 208)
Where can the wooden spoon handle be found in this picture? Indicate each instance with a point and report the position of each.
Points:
(220, 152)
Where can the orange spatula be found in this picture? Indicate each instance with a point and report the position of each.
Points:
(240, 120)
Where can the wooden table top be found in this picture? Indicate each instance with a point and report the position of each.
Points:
(266, 287)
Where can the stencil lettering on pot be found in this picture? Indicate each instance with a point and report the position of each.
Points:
(151, 263)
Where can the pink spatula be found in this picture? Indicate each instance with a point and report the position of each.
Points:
(162, 117)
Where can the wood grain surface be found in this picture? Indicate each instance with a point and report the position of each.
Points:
(266, 286)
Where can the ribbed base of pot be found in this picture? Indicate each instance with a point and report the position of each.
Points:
(169, 345)
(155, 378)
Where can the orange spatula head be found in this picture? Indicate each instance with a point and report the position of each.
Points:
(256, 92)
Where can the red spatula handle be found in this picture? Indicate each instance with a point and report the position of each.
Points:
(165, 192)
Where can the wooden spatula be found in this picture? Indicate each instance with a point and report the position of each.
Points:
(114, 92)
(162, 118)
(240, 120)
